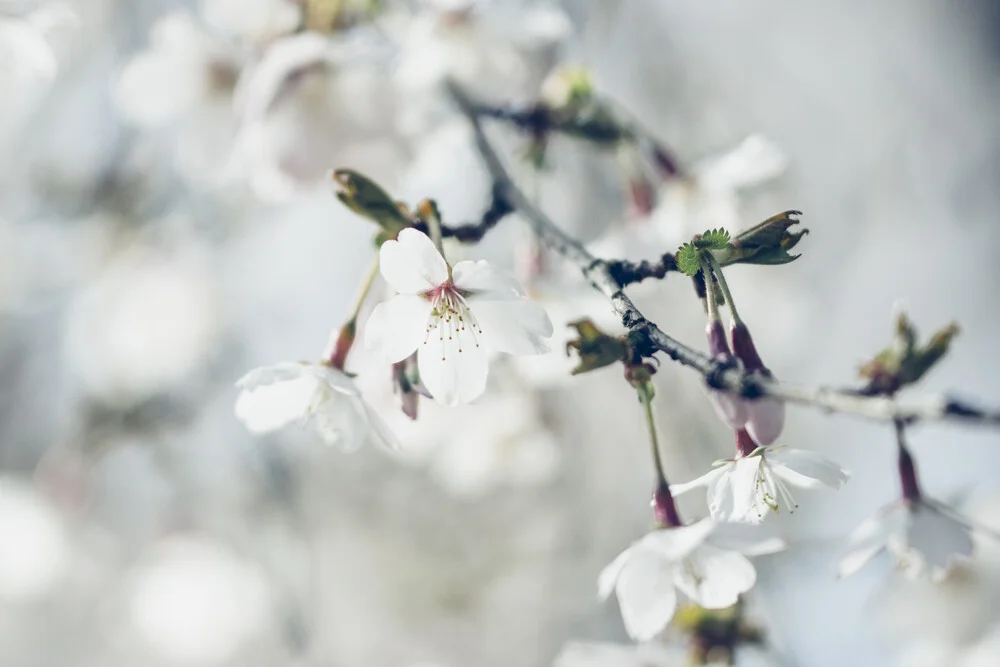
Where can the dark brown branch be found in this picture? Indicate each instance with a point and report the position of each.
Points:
(604, 129)
(625, 273)
(474, 232)
(650, 339)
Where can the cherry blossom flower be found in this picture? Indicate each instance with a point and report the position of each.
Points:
(745, 488)
(708, 196)
(453, 317)
(926, 537)
(706, 561)
(272, 397)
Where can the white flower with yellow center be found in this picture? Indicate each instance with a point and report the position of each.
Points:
(745, 489)
(453, 317)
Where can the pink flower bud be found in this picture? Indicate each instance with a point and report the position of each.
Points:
(908, 475)
(732, 410)
(765, 416)
(745, 445)
(765, 420)
(664, 508)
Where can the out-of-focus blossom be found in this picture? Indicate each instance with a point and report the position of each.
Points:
(925, 537)
(469, 461)
(503, 48)
(144, 326)
(253, 21)
(603, 654)
(183, 83)
(33, 542)
(554, 368)
(709, 196)
(326, 398)
(747, 487)
(452, 316)
(195, 602)
(308, 98)
(29, 52)
(706, 561)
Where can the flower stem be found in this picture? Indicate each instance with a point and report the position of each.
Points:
(726, 294)
(907, 468)
(663, 501)
(342, 339)
(364, 288)
(647, 404)
(429, 213)
(710, 299)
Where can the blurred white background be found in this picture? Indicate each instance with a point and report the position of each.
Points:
(166, 224)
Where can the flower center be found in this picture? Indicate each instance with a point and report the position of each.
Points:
(452, 318)
(772, 490)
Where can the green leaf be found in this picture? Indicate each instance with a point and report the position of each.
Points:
(713, 239)
(687, 259)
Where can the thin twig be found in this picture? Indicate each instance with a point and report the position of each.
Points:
(649, 338)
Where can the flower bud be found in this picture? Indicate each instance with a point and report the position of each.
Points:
(766, 416)
(745, 444)
(731, 409)
(337, 356)
(664, 508)
(908, 475)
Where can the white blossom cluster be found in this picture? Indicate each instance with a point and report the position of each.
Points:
(185, 481)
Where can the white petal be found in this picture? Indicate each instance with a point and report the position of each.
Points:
(27, 50)
(939, 539)
(675, 543)
(483, 278)
(714, 578)
(705, 480)
(450, 375)
(411, 264)
(806, 469)
(856, 559)
(287, 370)
(338, 422)
(514, 326)
(646, 595)
(754, 161)
(380, 431)
(872, 536)
(609, 575)
(747, 539)
(272, 399)
(765, 420)
(334, 378)
(397, 327)
(735, 497)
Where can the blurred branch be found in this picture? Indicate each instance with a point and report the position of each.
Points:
(474, 232)
(602, 128)
(610, 277)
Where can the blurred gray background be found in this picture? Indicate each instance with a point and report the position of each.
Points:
(162, 231)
